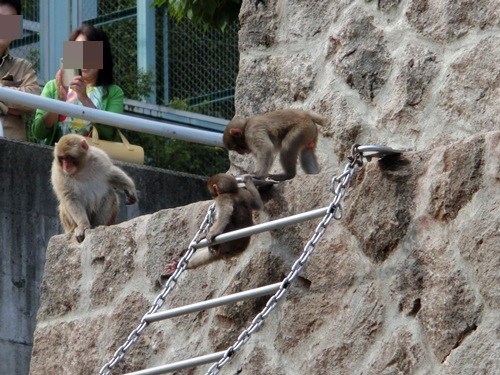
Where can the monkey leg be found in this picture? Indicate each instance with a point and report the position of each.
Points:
(232, 248)
(66, 220)
(74, 218)
(288, 158)
(121, 181)
(226, 250)
(263, 151)
(107, 210)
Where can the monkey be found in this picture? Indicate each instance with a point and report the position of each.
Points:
(233, 210)
(84, 180)
(291, 131)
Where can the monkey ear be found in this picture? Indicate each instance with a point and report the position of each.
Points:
(216, 190)
(236, 132)
(85, 145)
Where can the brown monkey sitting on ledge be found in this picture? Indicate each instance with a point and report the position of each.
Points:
(84, 180)
(291, 131)
(233, 210)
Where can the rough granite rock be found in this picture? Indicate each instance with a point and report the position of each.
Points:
(394, 287)
(406, 283)
(270, 82)
(448, 20)
(361, 56)
(469, 98)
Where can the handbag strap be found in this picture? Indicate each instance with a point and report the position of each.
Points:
(95, 135)
(95, 138)
(124, 140)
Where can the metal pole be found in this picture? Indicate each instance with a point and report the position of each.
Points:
(197, 361)
(109, 118)
(232, 298)
(264, 227)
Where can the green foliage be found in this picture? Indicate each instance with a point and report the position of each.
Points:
(136, 84)
(209, 13)
(178, 155)
(182, 104)
(181, 156)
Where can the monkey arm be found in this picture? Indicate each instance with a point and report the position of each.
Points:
(256, 202)
(224, 207)
(74, 216)
(119, 180)
(75, 209)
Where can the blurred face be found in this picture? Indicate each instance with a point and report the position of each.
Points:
(5, 10)
(89, 75)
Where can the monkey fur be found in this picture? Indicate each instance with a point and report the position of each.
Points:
(84, 180)
(233, 210)
(292, 132)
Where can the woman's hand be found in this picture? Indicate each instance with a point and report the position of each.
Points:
(62, 92)
(79, 86)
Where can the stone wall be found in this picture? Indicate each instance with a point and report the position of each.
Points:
(414, 73)
(406, 283)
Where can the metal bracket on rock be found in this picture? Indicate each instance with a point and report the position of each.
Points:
(370, 151)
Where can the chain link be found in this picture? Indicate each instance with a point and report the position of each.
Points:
(339, 187)
(160, 299)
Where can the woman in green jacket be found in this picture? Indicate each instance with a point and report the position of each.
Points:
(93, 88)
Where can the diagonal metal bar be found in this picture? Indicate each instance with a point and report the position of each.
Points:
(197, 361)
(225, 300)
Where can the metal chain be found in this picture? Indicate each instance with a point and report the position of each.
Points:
(339, 187)
(160, 299)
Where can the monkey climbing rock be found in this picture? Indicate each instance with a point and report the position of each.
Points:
(233, 210)
(292, 132)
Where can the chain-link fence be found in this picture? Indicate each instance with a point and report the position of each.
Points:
(201, 65)
(28, 46)
(195, 70)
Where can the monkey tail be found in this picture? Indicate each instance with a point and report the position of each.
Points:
(318, 119)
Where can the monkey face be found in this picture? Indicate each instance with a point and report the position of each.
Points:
(68, 163)
(234, 136)
(71, 153)
(234, 140)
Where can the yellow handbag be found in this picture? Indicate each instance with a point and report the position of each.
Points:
(122, 151)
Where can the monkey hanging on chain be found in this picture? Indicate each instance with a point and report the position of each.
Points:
(233, 210)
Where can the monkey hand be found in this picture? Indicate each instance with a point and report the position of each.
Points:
(200, 237)
(80, 233)
(246, 178)
(210, 236)
(258, 177)
(131, 198)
